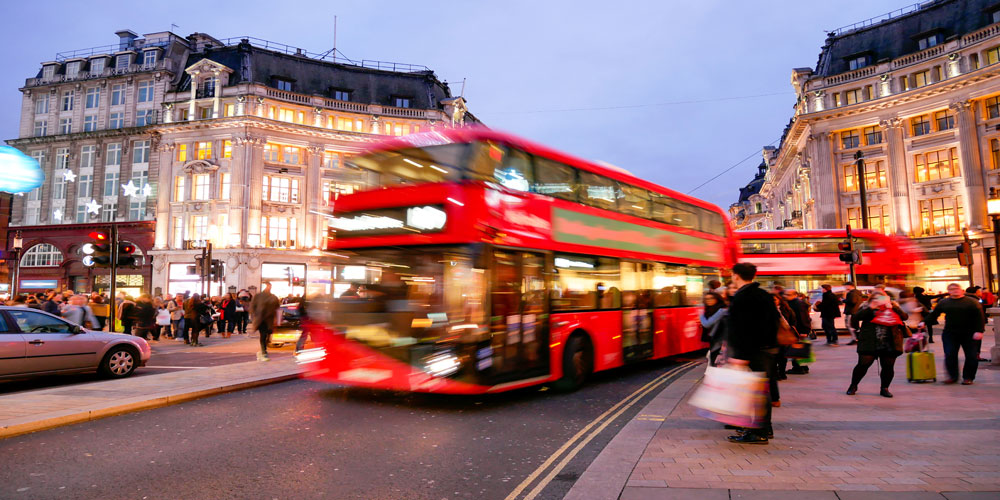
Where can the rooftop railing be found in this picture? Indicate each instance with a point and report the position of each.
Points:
(334, 56)
(882, 18)
(111, 49)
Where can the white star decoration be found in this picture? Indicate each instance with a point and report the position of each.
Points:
(93, 207)
(147, 190)
(69, 176)
(57, 215)
(130, 189)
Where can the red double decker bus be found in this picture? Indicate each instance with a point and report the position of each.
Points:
(484, 262)
(806, 259)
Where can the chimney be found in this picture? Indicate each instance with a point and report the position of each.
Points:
(125, 39)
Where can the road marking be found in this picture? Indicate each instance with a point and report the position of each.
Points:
(635, 396)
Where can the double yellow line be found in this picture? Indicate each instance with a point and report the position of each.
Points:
(587, 434)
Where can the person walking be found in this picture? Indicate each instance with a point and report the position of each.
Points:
(829, 310)
(780, 361)
(880, 337)
(802, 325)
(753, 339)
(713, 324)
(145, 318)
(264, 308)
(243, 311)
(53, 303)
(963, 327)
(163, 317)
(227, 320)
(77, 311)
(852, 302)
(925, 304)
(126, 314)
(976, 292)
(197, 317)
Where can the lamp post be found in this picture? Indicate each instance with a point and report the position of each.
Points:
(993, 209)
(16, 247)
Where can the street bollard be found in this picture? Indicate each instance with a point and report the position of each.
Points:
(994, 314)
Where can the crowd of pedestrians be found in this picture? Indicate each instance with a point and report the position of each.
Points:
(741, 321)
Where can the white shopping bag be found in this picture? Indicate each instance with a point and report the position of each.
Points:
(732, 396)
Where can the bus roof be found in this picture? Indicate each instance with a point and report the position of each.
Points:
(474, 133)
(867, 234)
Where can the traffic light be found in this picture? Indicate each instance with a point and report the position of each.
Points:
(848, 253)
(125, 251)
(97, 252)
(964, 251)
(217, 271)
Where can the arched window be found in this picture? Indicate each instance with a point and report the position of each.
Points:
(42, 255)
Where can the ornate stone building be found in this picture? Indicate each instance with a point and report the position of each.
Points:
(238, 142)
(918, 94)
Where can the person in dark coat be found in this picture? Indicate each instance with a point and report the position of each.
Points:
(713, 324)
(852, 302)
(144, 318)
(802, 325)
(227, 322)
(879, 337)
(829, 309)
(925, 302)
(753, 339)
(964, 326)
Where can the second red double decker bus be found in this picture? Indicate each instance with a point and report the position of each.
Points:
(483, 262)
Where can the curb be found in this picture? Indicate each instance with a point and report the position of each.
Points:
(25, 425)
(607, 475)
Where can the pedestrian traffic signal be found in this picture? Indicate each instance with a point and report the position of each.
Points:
(97, 252)
(125, 251)
(964, 251)
(848, 253)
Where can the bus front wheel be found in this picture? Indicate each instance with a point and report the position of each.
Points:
(577, 363)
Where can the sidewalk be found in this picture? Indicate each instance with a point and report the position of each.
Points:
(929, 441)
(31, 411)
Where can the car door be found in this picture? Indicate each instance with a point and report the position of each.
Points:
(12, 349)
(51, 344)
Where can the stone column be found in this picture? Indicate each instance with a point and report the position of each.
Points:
(313, 191)
(899, 181)
(253, 181)
(826, 194)
(216, 93)
(194, 95)
(972, 167)
(163, 196)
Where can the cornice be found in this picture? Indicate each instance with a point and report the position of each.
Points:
(145, 130)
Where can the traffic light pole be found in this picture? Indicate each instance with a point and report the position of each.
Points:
(968, 244)
(850, 240)
(203, 270)
(862, 192)
(112, 304)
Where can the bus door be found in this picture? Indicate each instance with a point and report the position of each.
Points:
(637, 311)
(519, 314)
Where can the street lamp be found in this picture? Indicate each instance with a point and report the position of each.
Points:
(993, 209)
(17, 246)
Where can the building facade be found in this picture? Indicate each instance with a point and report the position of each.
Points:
(917, 95)
(221, 141)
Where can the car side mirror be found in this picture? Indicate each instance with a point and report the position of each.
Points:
(75, 329)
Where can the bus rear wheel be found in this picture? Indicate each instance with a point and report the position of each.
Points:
(577, 364)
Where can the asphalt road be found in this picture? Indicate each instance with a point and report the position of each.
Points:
(168, 355)
(303, 439)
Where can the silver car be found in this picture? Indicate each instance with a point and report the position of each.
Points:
(33, 342)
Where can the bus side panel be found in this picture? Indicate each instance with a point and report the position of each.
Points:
(661, 333)
(688, 328)
(604, 329)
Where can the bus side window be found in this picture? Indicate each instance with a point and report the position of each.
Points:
(554, 179)
(598, 191)
(669, 285)
(676, 213)
(586, 283)
(514, 171)
(635, 201)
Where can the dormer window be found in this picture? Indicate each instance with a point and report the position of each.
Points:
(402, 102)
(149, 58)
(857, 62)
(48, 72)
(97, 66)
(72, 69)
(122, 61)
(928, 41)
(283, 84)
(341, 95)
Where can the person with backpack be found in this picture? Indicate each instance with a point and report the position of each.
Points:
(77, 311)
(880, 337)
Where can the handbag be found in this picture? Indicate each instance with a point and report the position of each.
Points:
(799, 350)
(732, 396)
(204, 318)
(786, 335)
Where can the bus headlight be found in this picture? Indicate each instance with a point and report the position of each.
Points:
(310, 355)
(441, 363)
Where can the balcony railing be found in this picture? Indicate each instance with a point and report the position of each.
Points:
(161, 65)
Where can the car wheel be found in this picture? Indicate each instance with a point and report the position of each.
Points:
(577, 364)
(119, 362)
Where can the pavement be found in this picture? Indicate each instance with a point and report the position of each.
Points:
(29, 411)
(931, 441)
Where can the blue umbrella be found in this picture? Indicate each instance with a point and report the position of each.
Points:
(19, 173)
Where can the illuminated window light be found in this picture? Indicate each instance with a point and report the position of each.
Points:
(439, 169)
(453, 200)
(415, 164)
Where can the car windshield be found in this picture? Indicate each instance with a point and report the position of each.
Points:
(393, 298)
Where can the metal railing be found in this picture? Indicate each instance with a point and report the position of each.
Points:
(111, 49)
(882, 18)
(328, 56)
